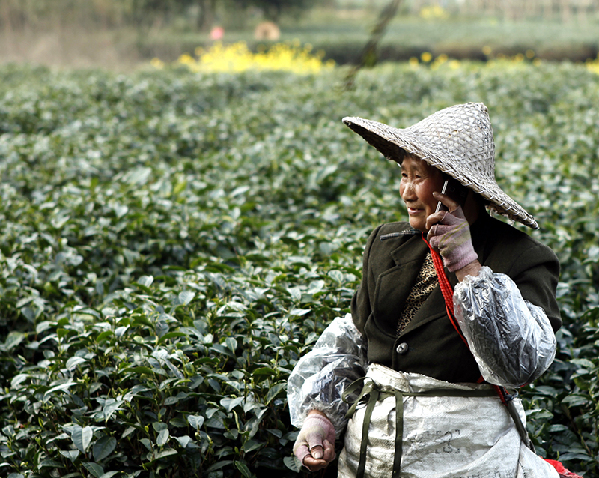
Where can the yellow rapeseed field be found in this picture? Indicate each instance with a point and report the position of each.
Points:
(237, 57)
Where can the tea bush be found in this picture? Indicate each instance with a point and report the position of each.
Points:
(173, 242)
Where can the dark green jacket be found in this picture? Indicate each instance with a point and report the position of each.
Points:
(429, 345)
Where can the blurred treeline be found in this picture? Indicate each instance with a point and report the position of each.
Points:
(201, 15)
(124, 33)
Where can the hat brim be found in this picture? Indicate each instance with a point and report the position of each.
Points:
(391, 141)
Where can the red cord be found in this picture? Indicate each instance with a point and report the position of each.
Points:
(447, 292)
(446, 289)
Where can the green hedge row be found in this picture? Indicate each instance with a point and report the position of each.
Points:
(172, 243)
(349, 52)
(404, 38)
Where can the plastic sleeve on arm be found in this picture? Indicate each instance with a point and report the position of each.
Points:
(320, 377)
(511, 339)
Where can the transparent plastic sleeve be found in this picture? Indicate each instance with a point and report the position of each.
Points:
(511, 339)
(320, 377)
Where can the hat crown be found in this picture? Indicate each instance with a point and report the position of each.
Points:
(457, 140)
(462, 135)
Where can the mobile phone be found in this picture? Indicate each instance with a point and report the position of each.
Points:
(455, 190)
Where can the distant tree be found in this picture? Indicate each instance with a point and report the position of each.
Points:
(147, 13)
(368, 57)
(154, 12)
(274, 9)
(207, 14)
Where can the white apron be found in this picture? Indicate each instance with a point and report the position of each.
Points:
(448, 436)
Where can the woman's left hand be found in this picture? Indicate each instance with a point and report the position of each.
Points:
(449, 233)
(315, 444)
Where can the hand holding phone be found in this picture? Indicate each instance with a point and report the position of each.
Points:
(448, 235)
(455, 191)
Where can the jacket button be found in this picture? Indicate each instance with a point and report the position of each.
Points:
(402, 348)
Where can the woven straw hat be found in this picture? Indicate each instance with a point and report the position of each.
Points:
(457, 140)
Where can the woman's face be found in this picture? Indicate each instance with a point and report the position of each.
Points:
(418, 182)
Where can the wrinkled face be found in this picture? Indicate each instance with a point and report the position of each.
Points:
(418, 182)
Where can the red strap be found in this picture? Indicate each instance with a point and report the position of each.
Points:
(447, 292)
(446, 289)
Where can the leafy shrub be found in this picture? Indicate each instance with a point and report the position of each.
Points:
(174, 242)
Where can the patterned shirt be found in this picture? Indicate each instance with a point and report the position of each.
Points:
(426, 281)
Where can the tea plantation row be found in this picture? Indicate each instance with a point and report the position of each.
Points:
(171, 243)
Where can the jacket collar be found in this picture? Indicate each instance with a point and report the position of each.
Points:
(412, 249)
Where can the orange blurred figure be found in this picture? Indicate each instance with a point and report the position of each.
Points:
(217, 33)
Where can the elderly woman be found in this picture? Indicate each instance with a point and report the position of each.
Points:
(454, 307)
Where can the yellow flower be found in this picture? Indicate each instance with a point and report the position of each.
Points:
(426, 57)
(432, 12)
(156, 63)
(593, 65)
(440, 60)
(237, 57)
(185, 59)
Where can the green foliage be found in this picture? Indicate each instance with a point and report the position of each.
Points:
(273, 9)
(344, 39)
(172, 243)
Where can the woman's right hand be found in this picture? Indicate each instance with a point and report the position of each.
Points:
(315, 444)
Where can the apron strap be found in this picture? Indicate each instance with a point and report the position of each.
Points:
(374, 394)
(511, 408)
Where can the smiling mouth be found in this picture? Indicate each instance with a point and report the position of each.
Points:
(414, 210)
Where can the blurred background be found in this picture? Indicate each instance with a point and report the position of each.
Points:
(121, 34)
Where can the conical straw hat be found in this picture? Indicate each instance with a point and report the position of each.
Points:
(457, 140)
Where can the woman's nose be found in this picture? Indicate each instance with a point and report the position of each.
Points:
(407, 189)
